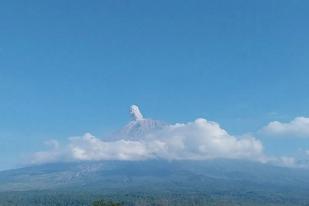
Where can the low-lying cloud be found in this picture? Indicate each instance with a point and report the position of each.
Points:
(144, 139)
(197, 140)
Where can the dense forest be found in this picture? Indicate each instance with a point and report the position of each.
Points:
(48, 198)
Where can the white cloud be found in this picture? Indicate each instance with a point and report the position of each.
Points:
(203, 139)
(299, 127)
(89, 147)
(196, 140)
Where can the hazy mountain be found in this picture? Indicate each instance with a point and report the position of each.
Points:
(222, 179)
(210, 175)
(195, 175)
(240, 182)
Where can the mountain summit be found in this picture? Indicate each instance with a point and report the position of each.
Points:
(139, 127)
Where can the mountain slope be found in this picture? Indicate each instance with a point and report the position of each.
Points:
(105, 174)
(216, 180)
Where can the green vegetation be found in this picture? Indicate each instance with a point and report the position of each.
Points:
(105, 203)
(49, 198)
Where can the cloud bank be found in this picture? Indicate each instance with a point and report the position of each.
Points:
(197, 140)
(144, 139)
(299, 127)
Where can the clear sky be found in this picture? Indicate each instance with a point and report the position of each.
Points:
(70, 67)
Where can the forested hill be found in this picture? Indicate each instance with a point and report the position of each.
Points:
(156, 182)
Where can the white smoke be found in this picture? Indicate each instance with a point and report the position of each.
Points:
(136, 113)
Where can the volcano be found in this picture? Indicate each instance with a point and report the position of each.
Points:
(138, 128)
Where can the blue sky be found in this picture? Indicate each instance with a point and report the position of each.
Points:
(69, 67)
